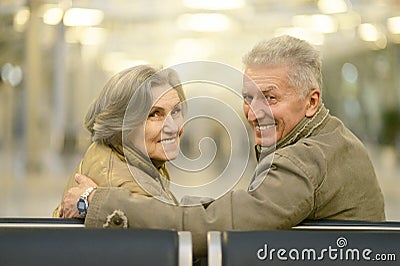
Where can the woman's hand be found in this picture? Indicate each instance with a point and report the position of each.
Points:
(68, 204)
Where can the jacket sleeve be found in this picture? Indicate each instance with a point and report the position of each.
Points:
(283, 199)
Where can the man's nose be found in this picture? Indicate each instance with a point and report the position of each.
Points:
(256, 111)
(170, 126)
(251, 116)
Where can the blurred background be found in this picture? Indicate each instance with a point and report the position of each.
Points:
(55, 56)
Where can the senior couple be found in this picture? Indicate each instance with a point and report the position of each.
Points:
(320, 170)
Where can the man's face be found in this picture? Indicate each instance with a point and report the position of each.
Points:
(266, 89)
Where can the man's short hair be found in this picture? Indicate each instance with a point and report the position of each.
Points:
(302, 58)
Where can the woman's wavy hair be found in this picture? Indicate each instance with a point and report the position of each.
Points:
(130, 87)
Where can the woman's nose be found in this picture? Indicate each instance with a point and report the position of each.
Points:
(170, 126)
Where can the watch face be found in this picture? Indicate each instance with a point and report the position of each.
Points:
(82, 206)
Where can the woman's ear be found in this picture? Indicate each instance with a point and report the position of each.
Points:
(313, 98)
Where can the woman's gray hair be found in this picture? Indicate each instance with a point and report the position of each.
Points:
(302, 58)
(130, 90)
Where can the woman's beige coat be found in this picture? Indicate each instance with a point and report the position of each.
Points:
(108, 168)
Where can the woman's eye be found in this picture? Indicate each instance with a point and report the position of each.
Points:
(154, 114)
(176, 111)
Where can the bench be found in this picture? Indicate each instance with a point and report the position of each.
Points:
(310, 243)
(47, 241)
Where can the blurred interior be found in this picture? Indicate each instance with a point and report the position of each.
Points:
(55, 56)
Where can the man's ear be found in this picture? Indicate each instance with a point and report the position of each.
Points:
(313, 98)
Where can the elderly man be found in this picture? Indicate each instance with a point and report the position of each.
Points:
(320, 170)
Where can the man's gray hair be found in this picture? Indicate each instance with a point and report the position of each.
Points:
(130, 90)
(302, 58)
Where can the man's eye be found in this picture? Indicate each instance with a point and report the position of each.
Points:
(270, 97)
(247, 98)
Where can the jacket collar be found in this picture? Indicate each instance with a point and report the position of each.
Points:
(137, 159)
(305, 128)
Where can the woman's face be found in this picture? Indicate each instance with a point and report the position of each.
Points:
(163, 127)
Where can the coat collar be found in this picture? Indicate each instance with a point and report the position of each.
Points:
(137, 159)
(155, 169)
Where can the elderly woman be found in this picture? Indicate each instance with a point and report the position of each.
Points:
(136, 125)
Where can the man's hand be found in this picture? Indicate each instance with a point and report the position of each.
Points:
(68, 205)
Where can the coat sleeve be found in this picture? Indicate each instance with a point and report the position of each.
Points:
(283, 199)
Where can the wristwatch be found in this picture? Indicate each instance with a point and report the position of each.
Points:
(83, 203)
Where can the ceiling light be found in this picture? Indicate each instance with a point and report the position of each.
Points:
(332, 6)
(324, 23)
(209, 22)
(214, 4)
(393, 25)
(21, 18)
(83, 17)
(368, 32)
(318, 23)
(53, 16)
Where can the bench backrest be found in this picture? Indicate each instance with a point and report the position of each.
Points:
(31, 241)
(312, 243)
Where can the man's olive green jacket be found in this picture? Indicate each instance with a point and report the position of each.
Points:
(320, 170)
